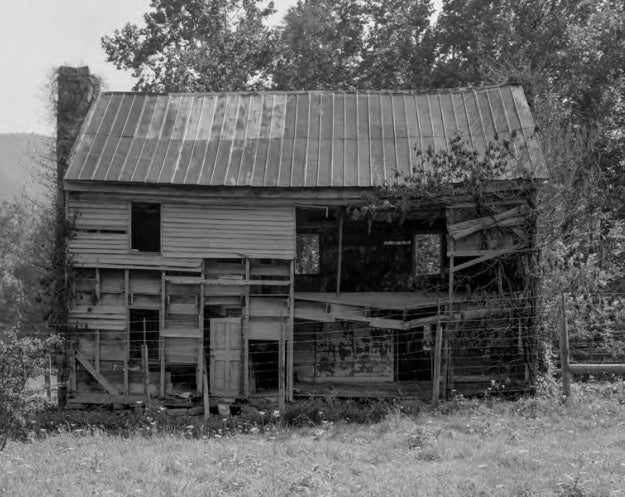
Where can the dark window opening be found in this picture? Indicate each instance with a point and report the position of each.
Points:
(146, 227)
(144, 330)
(307, 248)
(264, 365)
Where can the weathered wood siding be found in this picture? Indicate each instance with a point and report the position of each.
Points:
(219, 231)
(189, 232)
(343, 352)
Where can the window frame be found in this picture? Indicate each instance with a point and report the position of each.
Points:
(131, 248)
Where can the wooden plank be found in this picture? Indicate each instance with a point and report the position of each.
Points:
(339, 266)
(201, 366)
(161, 342)
(97, 350)
(281, 369)
(415, 323)
(99, 378)
(595, 369)
(246, 334)
(185, 280)
(72, 371)
(436, 374)
(205, 394)
(127, 341)
(290, 332)
(267, 306)
(146, 372)
(492, 254)
(466, 228)
(484, 253)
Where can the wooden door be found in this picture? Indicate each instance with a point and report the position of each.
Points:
(225, 357)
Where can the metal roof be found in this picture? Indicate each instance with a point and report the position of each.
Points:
(291, 139)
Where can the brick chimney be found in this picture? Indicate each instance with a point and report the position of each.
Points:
(76, 90)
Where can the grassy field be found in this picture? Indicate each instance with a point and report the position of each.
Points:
(531, 447)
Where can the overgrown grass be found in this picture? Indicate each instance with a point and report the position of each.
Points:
(530, 447)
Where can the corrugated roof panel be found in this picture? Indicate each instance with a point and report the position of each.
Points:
(402, 146)
(338, 143)
(282, 139)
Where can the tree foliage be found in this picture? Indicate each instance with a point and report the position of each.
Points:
(196, 45)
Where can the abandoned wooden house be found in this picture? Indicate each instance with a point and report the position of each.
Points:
(215, 248)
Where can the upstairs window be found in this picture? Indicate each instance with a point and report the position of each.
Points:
(146, 227)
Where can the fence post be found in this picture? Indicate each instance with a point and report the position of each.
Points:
(436, 376)
(205, 393)
(564, 353)
(146, 372)
(281, 369)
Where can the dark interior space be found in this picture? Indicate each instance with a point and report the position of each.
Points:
(144, 330)
(377, 256)
(264, 365)
(413, 355)
(146, 227)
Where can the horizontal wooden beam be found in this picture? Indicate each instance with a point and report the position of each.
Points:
(184, 280)
(597, 368)
(99, 378)
(491, 255)
(512, 217)
(482, 253)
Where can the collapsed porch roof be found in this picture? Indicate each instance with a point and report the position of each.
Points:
(292, 139)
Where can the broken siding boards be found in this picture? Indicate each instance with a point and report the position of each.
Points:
(486, 237)
(228, 232)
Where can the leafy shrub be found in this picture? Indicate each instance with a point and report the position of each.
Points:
(21, 358)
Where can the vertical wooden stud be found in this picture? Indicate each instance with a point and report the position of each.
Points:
(146, 371)
(199, 381)
(291, 335)
(98, 285)
(339, 268)
(72, 371)
(436, 373)
(97, 350)
(564, 353)
(245, 335)
(281, 353)
(205, 394)
(127, 344)
(161, 341)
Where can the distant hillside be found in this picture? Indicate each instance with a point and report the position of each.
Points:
(23, 157)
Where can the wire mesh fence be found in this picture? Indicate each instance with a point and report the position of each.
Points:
(482, 345)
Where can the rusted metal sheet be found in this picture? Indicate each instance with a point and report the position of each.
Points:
(292, 139)
(228, 232)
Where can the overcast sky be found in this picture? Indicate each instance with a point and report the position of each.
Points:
(38, 35)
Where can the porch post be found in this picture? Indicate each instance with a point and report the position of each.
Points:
(339, 269)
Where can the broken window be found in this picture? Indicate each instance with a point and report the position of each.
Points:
(146, 227)
(427, 254)
(144, 330)
(307, 247)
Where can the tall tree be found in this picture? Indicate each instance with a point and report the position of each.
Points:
(398, 46)
(472, 33)
(320, 45)
(196, 45)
